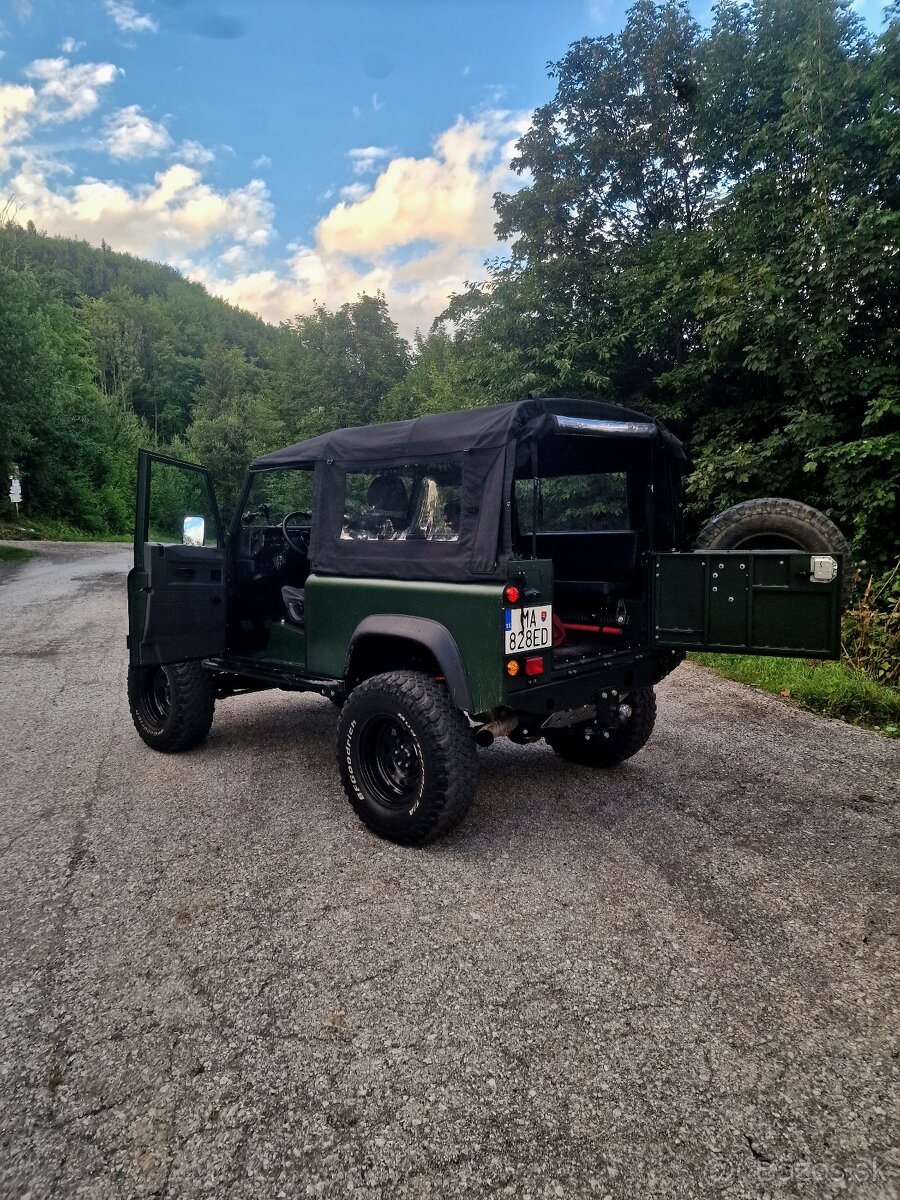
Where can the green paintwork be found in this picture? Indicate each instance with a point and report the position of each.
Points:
(750, 602)
(286, 644)
(471, 612)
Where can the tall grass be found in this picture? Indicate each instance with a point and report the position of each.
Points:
(870, 635)
(831, 688)
(46, 530)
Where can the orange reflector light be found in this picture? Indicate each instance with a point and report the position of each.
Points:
(512, 667)
(511, 594)
(534, 666)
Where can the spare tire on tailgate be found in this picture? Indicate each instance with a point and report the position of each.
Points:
(774, 523)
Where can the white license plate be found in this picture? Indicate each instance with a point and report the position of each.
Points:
(528, 628)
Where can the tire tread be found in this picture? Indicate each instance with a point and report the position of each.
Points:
(192, 707)
(779, 515)
(454, 766)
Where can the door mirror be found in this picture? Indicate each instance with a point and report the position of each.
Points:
(194, 530)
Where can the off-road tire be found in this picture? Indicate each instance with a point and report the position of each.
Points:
(774, 523)
(172, 707)
(623, 742)
(442, 756)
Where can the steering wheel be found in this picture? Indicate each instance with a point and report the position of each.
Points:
(300, 547)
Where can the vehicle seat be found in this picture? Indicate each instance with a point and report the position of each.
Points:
(295, 602)
(388, 504)
(427, 507)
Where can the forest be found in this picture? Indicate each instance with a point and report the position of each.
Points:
(707, 231)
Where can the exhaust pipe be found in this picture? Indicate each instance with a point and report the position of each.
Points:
(494, 729)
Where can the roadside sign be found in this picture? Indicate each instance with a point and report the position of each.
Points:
(15, 490)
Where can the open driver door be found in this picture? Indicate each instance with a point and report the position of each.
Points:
(177, 587)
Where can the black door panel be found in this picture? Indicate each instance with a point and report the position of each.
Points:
(185, 612)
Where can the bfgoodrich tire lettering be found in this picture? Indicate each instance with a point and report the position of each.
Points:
(406, 757)
(623, 741)
(774, 523)
(172, 707)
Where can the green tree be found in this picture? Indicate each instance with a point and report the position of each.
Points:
(76, 448)
(336, 368)
(233, 421)
(710, 232)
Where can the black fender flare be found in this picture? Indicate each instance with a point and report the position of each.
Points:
(433, 636)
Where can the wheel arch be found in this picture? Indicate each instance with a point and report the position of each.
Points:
(375, 635)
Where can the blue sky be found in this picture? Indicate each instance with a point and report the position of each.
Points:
(282, 151)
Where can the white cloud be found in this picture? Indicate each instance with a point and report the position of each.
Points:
(172, 218)
(128, 19)
(234, 256)
(377, 105)
(17, 105)
(445, 197)
(194, 153)
(128, 133)
(67, 91)
(417, 232)
(70, 46)
(364, 159)
(352, 192)
(421, 232)
(60, 92)
(262, 162)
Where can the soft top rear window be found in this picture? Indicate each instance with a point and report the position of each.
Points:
(574, 503)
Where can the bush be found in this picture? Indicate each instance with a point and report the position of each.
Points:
(870, 634)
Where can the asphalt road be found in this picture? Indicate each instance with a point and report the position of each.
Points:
(676, 979)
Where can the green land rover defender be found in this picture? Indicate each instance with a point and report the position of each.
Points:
(515, 571)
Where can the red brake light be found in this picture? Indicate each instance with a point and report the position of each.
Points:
(534, 666)
(511, 594)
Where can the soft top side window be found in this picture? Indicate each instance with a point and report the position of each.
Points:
(415, 502)
(275, 493)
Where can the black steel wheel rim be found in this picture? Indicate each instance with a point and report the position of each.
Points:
(156, 696)
(390, 762)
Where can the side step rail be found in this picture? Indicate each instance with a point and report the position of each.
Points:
(287, 680)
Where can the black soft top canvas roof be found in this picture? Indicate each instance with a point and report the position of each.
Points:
(486, 443)
(447, 433)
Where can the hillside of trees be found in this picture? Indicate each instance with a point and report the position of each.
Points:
(708, 232)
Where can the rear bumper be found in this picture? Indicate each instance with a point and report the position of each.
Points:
(621, 674)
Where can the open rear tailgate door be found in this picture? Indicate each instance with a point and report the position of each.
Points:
(748, 602)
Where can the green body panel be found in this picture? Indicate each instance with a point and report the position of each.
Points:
(745, 602)
(471, 612)
(286, 644)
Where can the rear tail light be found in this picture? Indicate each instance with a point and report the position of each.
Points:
(534, 666)
(511, 594)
